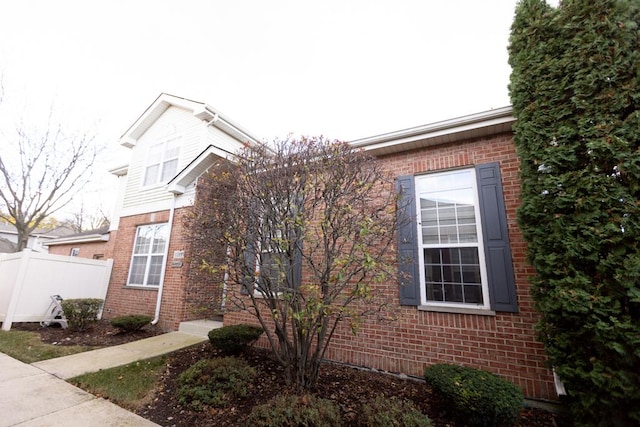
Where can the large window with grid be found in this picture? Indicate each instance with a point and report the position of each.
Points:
(450, 239)
(148, 255)
(162, 162)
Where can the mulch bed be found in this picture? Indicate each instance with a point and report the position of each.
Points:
(346, 386)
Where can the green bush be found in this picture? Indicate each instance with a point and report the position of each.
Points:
(214, 382)
(392, 412)
(478, 398)
(234, 339)
(81, 312)
(575, 90)
(131, 323)
(293, 411)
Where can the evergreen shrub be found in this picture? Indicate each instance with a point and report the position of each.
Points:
(478, 398)
(575, 90)
(81, 312)
(214, 382)
(234, 339)
(293, 411)
(131, 323)
(391, 412)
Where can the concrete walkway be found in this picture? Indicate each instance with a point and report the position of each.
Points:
(36, 395)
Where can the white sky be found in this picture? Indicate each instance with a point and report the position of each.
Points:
(345, 69)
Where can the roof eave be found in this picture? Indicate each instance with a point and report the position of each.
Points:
(481, 124)
(78, 239)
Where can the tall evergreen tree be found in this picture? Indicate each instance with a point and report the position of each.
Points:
(575, 90)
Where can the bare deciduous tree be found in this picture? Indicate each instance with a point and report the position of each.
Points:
(303, 236)
(41, 170)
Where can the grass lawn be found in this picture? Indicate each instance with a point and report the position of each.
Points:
(128, 386)
(28, 348)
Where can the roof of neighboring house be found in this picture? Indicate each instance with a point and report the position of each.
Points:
(200, 110)
(476, 125)
(50, 233)
(97, 235)
(7, 246)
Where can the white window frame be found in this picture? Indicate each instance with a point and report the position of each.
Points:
(479, 244)
(159, 155)
(149, 254)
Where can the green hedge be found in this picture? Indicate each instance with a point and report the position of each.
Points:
(234, 339)
(214, 382)
(477, 397)
(575, 90)
(131, 323)
(294, 411)
(390, 411)
(81, 312)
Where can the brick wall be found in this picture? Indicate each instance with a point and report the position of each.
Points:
(504, 344)
(123, 300)
(87, 250)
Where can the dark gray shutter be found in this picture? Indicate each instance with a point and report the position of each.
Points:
(248, 267)
(502, 289)
(407, 242)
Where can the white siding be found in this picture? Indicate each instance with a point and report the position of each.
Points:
(195, 135)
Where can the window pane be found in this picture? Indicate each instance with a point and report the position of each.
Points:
(430, 235)
(154, 271)
(169, 170)
(473, 294)
(151, 174)
(160, 238)
(138, 266)
(143, 240)
(453, 275)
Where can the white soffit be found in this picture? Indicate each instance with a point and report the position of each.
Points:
(477, 125)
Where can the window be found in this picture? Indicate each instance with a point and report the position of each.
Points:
(162, 162)
(74, 252)
(449, 239)
(453, 243)
(148, 255)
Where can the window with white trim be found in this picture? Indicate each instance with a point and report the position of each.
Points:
(453, 271)
(162, 162)
(148, 255)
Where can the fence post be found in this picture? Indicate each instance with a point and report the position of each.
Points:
(17, 289)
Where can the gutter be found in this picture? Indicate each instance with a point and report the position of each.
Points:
(156, 317)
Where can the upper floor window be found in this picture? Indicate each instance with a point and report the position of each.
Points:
(148, 255)
(162, 162)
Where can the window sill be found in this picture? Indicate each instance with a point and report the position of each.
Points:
(457, 310)
(141, 288)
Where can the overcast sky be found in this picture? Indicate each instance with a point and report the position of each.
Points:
(345, 69)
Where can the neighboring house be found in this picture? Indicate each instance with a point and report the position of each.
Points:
(92, 244)
(467, 300)
(37, 238)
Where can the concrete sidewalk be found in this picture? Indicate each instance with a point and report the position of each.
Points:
(36, 395)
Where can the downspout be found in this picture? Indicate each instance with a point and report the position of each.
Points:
(166, 260)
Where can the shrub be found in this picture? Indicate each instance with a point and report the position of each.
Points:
(392, 412)
(131, 323)
(214, 382)
(234, 339)
(575, 90)
(479, 398)
(81, 312)
(294, 411)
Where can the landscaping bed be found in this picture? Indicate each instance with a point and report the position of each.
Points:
(346, 386)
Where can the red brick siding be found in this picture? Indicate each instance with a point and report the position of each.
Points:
(504, 344)
(87, 250)
(122, 300)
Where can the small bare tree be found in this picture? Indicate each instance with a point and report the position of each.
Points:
(41, 172)
(303, 234)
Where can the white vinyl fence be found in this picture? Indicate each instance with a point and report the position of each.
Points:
(28, 279)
